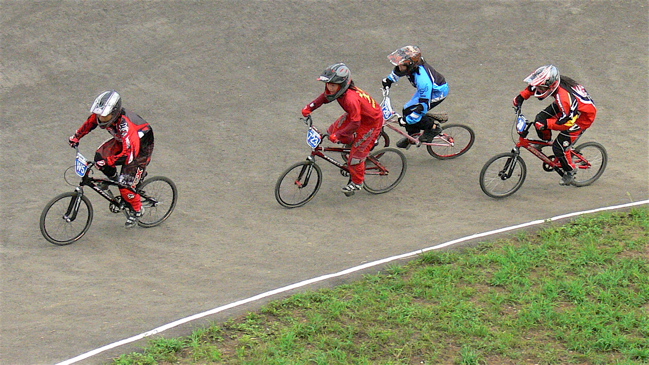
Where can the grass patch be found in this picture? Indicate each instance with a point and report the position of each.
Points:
(570, 294)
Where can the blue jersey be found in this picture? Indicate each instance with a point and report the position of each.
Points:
(431, 88)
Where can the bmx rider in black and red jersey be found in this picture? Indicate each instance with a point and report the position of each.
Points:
(131, 147)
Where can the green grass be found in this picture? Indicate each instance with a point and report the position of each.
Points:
(570, 294)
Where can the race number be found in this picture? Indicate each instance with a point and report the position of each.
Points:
(81, 165)
(313, 138)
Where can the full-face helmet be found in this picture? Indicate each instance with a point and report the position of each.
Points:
(410, 56)
(545, 81)
(337, 73)
(107, 103)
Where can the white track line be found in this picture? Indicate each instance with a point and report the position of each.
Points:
(340, 273)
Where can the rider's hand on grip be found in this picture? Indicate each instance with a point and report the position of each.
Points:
(518, 102)
(73, 141)
(306, 111)
(402, 122)
(333, 138)
(386, 82)
(101, 163)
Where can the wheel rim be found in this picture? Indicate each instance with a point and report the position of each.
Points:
(158, 201)
(383, 178)
(495, 184)
(60, 231)
(298, 184)
(455, 141)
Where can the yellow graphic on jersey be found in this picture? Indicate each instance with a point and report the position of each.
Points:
(367, 96)
(572, 121)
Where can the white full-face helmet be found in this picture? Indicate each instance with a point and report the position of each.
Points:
(107, 103)
(545, 81)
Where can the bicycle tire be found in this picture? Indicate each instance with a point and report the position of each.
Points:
(492, 181)
(159, 197)
(383, 141)
(60, 231)
(590, 170)
(463, 139)
(384, 170)
(295, 186)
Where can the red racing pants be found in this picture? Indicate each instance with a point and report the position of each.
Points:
(361, 143)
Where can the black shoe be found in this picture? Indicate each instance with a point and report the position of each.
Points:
(403, 142)
(430, 134)
(427, 136)
(132, 218)
(568, 178)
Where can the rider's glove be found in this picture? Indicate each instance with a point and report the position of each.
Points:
(100, 163)
(307, 110)
(386, 82)
(518, 101)
(73, 141)
(402, 122)
(334, 138)
(541, 125)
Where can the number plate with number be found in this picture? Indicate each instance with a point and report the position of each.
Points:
(81, 165)
(313, 138)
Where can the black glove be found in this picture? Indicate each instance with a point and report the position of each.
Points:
(386, 82)
(402, 122)
(518, 101)
(73, 141)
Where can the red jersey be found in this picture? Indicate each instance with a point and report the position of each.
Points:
(127, 130)
(574, 106)
(363, 111)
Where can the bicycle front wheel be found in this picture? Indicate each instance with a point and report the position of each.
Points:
(66, 218)
(455, 140)
(590, 159)
(298, 184)
(503, 175)
(159, 197)
(384, 170)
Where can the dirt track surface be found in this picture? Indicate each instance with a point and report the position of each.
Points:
(223, 83)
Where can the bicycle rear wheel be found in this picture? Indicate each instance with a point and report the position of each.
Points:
(590, 162)
(455, 140)
(298, 184)
(159, 197)
(503, 175)
(384, 170)
(59, 225)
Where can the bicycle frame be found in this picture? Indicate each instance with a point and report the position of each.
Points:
(319, 151)
(93, 183)
(390, 120)
(549, 163)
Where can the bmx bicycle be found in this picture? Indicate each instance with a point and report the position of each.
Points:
(455, 139)
(67, 217)
(503, 174)
(297, 185)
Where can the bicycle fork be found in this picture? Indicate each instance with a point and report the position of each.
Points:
(73, 208)
(305, 174)
(510, 164)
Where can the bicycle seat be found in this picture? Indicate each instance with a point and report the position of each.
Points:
(440, 117)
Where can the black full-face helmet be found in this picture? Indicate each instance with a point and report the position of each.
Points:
(107, 103)
(338, 73)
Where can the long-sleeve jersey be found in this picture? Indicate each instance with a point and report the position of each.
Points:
(431, 87)
(573, 105)
(128, 130)
(362, 110)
